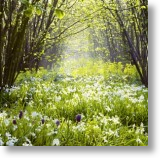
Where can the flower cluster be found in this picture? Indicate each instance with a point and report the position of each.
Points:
(88, 110)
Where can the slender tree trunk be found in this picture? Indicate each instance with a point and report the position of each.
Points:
(1, 42)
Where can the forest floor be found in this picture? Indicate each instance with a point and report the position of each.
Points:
(95, 105)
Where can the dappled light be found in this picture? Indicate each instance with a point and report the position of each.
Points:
(73, 73)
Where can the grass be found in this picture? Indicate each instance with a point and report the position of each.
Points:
(112, 103)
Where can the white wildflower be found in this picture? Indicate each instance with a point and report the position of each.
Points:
(141, 125)
(134, 126)
(138, 140)
(104, 121)
(5, 106)
(80, 127)
(15, 127)
(142, 128)
(26, 144)
(141, 98)
(133, 100)
(138, 131)
(145, 90)
(8, 134)
(2, 115)
(38, 129)
(10, 143)
(6, 121)
(115, 120)
(33, 134)
(116, 134)
(30, 125)
(105, 140)
(34, 114)
(57, 98)
(108, 108)
(110, 132)
(56, 142)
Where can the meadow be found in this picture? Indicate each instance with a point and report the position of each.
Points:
(77, 103)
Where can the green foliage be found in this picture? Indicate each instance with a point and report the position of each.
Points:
(29, 11)
(91, 67)
(60, 13)
(114, 112)
(25, 2)
(95, 80)
(97, 31)
(38, 11)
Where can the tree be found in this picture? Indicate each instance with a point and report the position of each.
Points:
(132, 17)
(21, 21)
(35, 31)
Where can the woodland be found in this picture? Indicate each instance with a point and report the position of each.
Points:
(73, 72)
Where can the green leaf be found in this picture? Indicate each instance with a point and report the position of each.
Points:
(38, 11)
(26, 2)
(143, 7)
(28, 12)
(59, 13)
